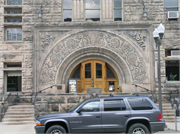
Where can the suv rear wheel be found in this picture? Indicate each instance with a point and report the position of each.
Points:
(56, 129)
(138, 128)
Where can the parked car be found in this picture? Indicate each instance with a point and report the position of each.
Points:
(114, 114)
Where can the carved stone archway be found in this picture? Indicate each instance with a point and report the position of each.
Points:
(121, 54)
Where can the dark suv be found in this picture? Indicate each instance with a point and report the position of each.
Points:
(115, 114)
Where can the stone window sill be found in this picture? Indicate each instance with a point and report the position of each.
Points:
(169, 82)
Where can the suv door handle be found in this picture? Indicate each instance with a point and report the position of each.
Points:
(126, 115)
(98, 116)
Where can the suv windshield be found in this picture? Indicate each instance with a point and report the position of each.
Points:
(73, 108)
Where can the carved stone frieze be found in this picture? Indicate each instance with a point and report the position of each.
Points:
(138, 37)
(47, 39)
(86, 39)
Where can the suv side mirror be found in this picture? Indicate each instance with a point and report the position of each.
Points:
(79, 110)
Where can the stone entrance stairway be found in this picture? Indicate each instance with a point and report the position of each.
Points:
(19, 115)
(168, 113)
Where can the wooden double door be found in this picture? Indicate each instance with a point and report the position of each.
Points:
(96, 74)
(93, 75)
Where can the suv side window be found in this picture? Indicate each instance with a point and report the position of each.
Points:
(92, 106)
(114, 105)
(140, 104)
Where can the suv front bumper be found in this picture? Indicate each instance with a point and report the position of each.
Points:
(157, 126)
(39, 129)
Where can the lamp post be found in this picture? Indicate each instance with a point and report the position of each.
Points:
(158, 35)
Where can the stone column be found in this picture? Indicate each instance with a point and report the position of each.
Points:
(107, 10)
(78, 10)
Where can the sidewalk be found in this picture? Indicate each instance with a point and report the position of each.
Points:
(29, 129)
(17, 129)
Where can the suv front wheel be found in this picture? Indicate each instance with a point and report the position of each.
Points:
(56, 129)
(138, 128)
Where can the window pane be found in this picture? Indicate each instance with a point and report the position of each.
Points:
(77, 73)
(98, 70)
(13, 83)
(117, 15)
(114, 105)
(16, 20)
(67, 15)
(8, 36)
(14, 12)
(170, 9)
(170, 3)
(92, 4)
(111, 86)
(14, 34)
(19, 36)
(110, 74)
(139, 104)
(14, 2)
(88, 70)
(93, 15)
(67, 4)
(91, 107)
(117, 4)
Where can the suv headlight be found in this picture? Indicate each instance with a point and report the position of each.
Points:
(38, 123)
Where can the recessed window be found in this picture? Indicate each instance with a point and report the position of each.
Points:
(172, 52)
(9, 65)
(14, 2)
(170, 5)
(13, 20)
(117, 10)
(13, 11)
(14, 34)
(13, 81)
(92, 10)
(67, 10)
(172, 70)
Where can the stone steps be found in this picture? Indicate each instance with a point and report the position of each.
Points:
(19, 115)
(168, 113)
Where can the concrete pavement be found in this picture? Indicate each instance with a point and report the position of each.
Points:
(29, 129)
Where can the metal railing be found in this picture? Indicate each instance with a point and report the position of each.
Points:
(40, 92)
(6, 98)
(147, 91)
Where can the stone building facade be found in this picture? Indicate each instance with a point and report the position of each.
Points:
(54, 42)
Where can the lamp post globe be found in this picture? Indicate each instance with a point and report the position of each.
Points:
(156, 33)
(161, 30)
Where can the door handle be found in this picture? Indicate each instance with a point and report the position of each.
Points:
(126, 115)
(98, 116)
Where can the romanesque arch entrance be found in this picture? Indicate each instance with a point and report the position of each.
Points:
(95, 74)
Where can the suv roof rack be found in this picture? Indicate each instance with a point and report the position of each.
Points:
(136, 94)
(111, 95)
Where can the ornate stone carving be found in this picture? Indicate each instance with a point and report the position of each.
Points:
(138, 37)
(93, 38)
(46, 39)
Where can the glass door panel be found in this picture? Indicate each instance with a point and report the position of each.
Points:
(88, 70)
(98, 70)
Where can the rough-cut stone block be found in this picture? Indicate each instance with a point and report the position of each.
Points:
(41, 106)
(25, 100)
(54, 99)
(73, 100)
(55, 107)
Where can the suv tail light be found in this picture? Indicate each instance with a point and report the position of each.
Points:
(159, 117)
